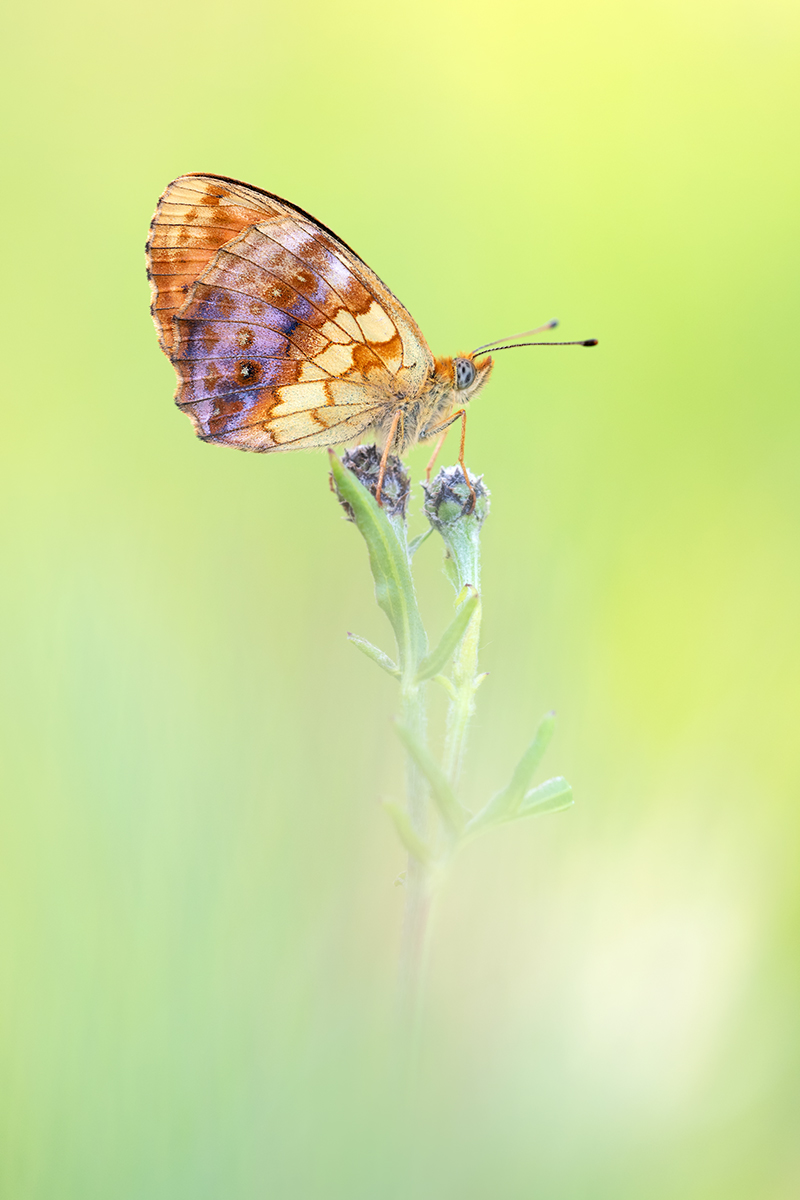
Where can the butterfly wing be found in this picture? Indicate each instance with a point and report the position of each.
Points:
(281, 335)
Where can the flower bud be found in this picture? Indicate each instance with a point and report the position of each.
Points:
(449, 500)
(365, 463)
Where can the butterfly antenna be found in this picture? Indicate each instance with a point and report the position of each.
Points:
(516, 345)
(528, 333)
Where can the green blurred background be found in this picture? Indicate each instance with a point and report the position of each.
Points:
(199, 923)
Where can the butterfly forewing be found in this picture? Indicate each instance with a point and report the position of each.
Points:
(189, 226)
(280, 334)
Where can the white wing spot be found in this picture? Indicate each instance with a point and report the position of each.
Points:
(376, 325)
(336, 359)
(298, 398)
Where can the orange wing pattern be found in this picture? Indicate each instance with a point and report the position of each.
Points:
(280, 334)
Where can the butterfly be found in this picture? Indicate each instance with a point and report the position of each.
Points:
(283, 338)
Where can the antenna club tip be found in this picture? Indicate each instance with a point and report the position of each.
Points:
(590, 342)
(552, 324)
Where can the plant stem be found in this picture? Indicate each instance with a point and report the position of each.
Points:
(418, 875)
(385, 534)
(414, 943)
(434, 821)
(463, 567)
(462, 705)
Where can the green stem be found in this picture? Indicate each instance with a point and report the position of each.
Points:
(414, 944)
(416, 925)
(434, 822)
(464, 569)
(464, 677)
(394, 591)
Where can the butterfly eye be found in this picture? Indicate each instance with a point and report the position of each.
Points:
(465, 373)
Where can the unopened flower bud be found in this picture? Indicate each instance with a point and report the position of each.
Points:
(448, 499)
(365, 463)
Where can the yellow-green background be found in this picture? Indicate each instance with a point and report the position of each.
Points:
(198, 919)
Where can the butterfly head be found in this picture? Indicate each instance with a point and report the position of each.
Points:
(466, 375)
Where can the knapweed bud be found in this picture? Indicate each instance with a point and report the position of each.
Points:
(449, 508)
(448, 499)
(365, 463)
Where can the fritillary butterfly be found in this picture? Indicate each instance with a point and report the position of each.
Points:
(282, 337)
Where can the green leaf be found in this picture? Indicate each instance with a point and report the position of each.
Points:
(444, 682)
(504, 805)
(407, 834)
(551, 796)
(415, 543)
(528, 764)
(452, 813)
(394, 587)
(375, 654)
(434, 662)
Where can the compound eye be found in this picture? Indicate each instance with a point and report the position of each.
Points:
(465, 373)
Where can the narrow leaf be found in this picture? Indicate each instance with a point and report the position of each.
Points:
(434, 662)
(504, 805)
(375, 654)
(446, 684)
(407, 834)
(415, 543)
(451, 811)
(551, 796)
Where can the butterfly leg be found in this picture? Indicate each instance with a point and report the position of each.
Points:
(435, 455)
(386, 452)
(462, 415)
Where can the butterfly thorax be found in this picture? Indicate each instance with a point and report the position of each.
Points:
(445, 389)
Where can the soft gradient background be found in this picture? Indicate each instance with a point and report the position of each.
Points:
(199, 922)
